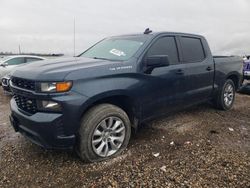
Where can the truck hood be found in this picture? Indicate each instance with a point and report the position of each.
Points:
(58, 69)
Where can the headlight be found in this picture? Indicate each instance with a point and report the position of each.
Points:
(49, 106)
(53, 87)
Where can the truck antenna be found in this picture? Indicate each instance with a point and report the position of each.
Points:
(147, 31)
(19, 48)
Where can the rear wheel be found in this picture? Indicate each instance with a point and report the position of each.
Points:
(225, 98)
(104, 133)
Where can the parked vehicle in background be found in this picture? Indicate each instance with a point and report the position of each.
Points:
(9, 66)
(5, 84)
(8, 63)
(92, 102)
(246, 69)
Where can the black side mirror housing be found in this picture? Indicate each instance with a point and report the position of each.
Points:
(157, 61)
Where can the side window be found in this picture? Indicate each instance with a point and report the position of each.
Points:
(16, 61)
(30, 59)
(165, 46)
(192, 49)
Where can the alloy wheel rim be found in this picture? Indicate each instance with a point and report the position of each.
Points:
(108, 136)
(228, 95)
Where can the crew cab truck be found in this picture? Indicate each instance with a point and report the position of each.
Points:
(91, 102)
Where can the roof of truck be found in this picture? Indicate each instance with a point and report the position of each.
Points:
(160, 33)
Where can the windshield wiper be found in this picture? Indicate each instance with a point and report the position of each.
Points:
(101, 58)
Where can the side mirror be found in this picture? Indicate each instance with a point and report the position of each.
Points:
(157, 61)
(4, 64)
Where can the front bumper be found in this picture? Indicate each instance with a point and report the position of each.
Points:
(44, 129)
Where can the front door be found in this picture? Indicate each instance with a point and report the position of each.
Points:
(163, 87)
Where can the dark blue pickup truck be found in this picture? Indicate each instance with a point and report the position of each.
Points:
(91, 102)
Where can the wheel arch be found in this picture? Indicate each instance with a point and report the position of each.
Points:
(236, 79)
(118, 98)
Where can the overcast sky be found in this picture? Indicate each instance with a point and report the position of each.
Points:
(46, 26)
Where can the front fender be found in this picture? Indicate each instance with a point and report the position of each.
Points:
(109, 95)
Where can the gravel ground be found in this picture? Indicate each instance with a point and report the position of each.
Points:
(199, 147)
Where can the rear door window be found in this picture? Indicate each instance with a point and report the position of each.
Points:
(30, 59)
(192, 49)
(165, 46)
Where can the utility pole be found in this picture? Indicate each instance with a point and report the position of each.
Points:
(74, 37)
(19, 47)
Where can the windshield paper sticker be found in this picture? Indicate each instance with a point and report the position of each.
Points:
(117, 52)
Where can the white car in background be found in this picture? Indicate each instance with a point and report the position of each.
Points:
(8, 63)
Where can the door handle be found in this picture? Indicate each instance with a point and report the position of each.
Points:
(180, 71)
(209, 68)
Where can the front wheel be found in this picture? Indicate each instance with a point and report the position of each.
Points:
(226, 96)
(104, 133)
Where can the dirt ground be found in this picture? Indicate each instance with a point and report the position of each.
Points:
(199, 147)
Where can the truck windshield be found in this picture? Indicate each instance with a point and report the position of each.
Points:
(116, 48)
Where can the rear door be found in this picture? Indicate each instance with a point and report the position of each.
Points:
(198, 69)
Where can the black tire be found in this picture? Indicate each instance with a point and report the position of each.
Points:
(90, 122)
(219, 101)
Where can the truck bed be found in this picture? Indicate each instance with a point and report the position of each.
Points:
(226, 64)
